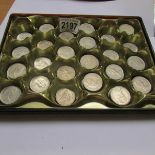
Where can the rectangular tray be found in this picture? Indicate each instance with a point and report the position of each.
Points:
(100, 100)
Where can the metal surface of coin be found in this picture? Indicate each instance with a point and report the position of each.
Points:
(23, 36)
(10, 94)
(42, 62)
(44, 44)
(136, 63)
(109, 38)
(120, 95)
(89, 61)
(92, 82)
(65, 73)
(87, 42)
(131, 46)
(87, 28)
(16, 70)
(20, 51)
(65, 97)
(66, 52)
(126, 28)
(66, 36)
(141, 84)
(111, 55)
(39, 84)
(46, 27)
(114, 72)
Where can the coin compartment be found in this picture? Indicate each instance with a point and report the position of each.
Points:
(34, 73)
(57, 33)
(149, 75)
(108, 27)
(82, 75)
(118, 49)
(37, 54)
(144, 57)
(6, 62)
(39, 20)
(79, 94)
(59, 63)
(94, 22)
(59, 43)
(133, 22)
(41, 37)
(5, 83)
(145, 98)
(119, 63)
(84, 49)
(96, 54)
(20, 25)
(11, 45)
(137, 39)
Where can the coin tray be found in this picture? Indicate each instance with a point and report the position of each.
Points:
(85, 100)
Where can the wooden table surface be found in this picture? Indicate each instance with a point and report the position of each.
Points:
(4, 8)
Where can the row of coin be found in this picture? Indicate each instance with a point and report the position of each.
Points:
(92, 82)
(88, 28)
(113, 71)
(85, 42)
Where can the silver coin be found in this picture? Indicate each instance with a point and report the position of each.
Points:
(114, 72)
(141, 84)
(87, 28)
(23, 36)
(46, 27)
(42, 62)
(120, 95)
(65, 97)
(111, 55)
(16, 70)
(136, 63)
(44, 44)
(109, 38)
(20, 51)
(66, 52)
(131, 46)
(39, 84)
(10, 94)
(66, 36)
(65, 73)
(87, 42)
(89, 61)
(126, 28)
(92, 82)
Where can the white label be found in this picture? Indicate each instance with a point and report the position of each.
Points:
(69, 25)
